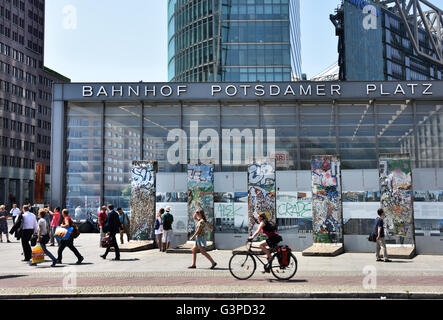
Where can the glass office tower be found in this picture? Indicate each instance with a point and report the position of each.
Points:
(385, 50)
(234, 40)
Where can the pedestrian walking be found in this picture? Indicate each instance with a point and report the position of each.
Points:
(43, 235)
(4, 224)
(102, 216)
(379, 232)
(55, 222)
(158, 228)
(112, 226)
(78, 213)
(26, 226)
(14, 212)
(200, 239)
(167, 221)
(67, 222)
(125, 224)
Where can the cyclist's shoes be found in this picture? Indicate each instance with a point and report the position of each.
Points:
(267, 268)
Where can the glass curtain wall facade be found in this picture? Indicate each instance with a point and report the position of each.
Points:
(234, 40)
(383, 53)
(103, 138)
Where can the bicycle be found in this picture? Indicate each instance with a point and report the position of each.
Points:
(242, 265)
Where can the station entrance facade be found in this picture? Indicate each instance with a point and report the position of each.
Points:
(100, 129)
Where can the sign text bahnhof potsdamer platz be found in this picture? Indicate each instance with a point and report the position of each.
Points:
(294, 90)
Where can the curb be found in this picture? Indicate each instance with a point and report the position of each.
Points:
(325, 295)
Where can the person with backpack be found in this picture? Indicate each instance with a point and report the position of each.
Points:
(67, 222)
(158, 228)
(379, 232)
(200, 239)
(167, 220)
(270, 230)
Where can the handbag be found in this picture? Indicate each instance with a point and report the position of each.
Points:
(372, 237)
(38, 255)
(106, 242)
(44, 239)
(34, 240)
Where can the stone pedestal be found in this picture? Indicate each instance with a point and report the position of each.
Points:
(187, 247)
(255, 248)
(400, 251)
(324, 250)
(135, 245)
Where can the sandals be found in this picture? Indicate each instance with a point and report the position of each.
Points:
(192, 267)
(213, 266)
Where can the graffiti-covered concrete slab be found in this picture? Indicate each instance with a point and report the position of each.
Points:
(201, 195)
(142, 199)
(261, 191)
(396, 197)
(327, 209)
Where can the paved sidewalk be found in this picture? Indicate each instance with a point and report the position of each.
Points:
(156, 274)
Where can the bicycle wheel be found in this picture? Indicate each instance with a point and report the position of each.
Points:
(284, 273)
(242, 265)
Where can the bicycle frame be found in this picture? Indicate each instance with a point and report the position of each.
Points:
(256, 255)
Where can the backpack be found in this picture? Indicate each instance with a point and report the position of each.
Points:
(76, 232)
(156, 224)
(271, 226)
(283, 255)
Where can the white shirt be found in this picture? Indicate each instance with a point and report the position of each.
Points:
(44, 226)
(30, 221)
(15, 212)
(78, 213)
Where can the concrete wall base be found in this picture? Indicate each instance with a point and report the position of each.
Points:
(245, 248)
(187, 247)
(134, 246)
(400, 252)
(324, 250)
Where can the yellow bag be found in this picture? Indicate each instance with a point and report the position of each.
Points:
(38, 256)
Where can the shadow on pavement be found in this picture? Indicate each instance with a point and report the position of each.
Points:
(288, 281)
(11, 276)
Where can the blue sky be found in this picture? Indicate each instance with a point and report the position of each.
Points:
(114, 40)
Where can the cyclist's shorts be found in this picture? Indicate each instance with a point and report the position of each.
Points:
(274, 240)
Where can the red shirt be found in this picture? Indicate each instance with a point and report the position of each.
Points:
(102, 217)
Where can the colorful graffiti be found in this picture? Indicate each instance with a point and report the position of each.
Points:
(200, 195)
(142, 199)
(397, 198)
(261, 191)
(327, 212)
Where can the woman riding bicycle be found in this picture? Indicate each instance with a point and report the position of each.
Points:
(270, 231)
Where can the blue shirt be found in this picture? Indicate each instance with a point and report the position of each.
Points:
(379, 224)
(124, 219)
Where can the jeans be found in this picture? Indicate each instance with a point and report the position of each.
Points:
(53, 236)
(26, 237)
(114, 245)
(381, 243)
(70, 244)
(46, 251)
